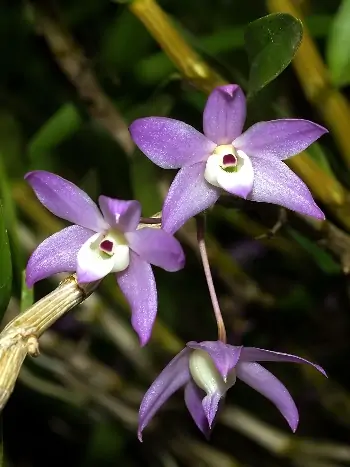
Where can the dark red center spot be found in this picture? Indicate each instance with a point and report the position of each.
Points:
(229, 159)
(107, 246)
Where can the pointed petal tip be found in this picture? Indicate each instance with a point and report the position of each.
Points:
(321, 370)
(139, 435)
(293, 420)
(319, 214)
(323, 130)
(143, 340)
(293, 423)
(27, 175)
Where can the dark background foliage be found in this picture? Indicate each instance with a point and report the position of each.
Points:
(76, 405)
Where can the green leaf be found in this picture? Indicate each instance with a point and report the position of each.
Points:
(5, 265)
(319, 155)
(9, 213)
(323, 260)
(338, 46)
(271, 43)
(27, 295)
(63, 124)
(145, 183)
(124, 29)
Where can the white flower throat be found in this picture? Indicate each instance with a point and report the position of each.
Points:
(227, 166)
(206, 375)
(104, 253)
(114, 244)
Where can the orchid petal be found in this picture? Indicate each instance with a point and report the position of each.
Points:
(57, 253)
(173, 377)
(139, 287)
(157, 247)
(66, 200)
(224, 114)
(170, 143)
(253, 354)
(279, 139)
(94, 264)
(210, 405)
(224, 356)
(189, 194)
(123, 214)
(269, 386)
(275, 183)
(193, 400)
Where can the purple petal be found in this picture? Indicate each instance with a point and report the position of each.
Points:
(275, 183)
(124, 214)
(170, 143)
(224, 356)
(279, 139)
(157, 247)
(269, 386)
(253, 354)
(139, 287)
(66, 200)
(189, 194)
(224, 114)
(193, 400)
(211, 406)
(174, 375)
(57, 253)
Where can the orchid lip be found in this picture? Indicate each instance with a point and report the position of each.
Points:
(230, 169)
(206, 375)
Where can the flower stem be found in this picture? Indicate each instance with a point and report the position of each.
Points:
(200, 219)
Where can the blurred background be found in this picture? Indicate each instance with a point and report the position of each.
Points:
(74, 74)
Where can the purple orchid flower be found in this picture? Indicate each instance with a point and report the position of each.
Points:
(207, 370)
(248, 165)
(101, 243)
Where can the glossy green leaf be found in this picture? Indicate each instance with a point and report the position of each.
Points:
(338, 46)
(5, 265)
(271, 43)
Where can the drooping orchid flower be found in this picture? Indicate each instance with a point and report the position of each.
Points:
(207, 370)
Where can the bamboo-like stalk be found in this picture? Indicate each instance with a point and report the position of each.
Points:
(20, 336)
(313, 76)
(185, 58)
(325, 187)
